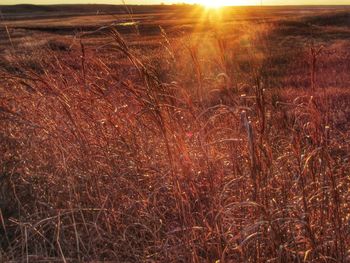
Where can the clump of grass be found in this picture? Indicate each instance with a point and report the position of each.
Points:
(105, 160)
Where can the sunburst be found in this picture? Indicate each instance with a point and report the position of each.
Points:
(220, 3)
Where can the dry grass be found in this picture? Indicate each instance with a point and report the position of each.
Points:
(189, 154)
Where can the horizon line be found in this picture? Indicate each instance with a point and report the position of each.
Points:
(174, 4)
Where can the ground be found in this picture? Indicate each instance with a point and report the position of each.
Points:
(174, 134)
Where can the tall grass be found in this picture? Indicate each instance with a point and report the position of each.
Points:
(106, 157)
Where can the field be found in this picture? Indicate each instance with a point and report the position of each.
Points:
(174, 134)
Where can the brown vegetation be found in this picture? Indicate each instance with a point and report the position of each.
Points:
(227, 144)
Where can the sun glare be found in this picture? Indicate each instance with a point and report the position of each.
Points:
(221, 3)
(212, 3)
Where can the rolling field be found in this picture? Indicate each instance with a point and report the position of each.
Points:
(174, 134)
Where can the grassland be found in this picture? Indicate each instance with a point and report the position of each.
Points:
(174, 134)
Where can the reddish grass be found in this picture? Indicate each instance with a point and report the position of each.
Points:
(182, 156)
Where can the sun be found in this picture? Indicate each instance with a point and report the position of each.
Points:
(212, 3)
(221, 3)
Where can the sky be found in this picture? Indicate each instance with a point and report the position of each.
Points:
(142, 2)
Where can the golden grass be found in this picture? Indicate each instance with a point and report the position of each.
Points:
(188, 155)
